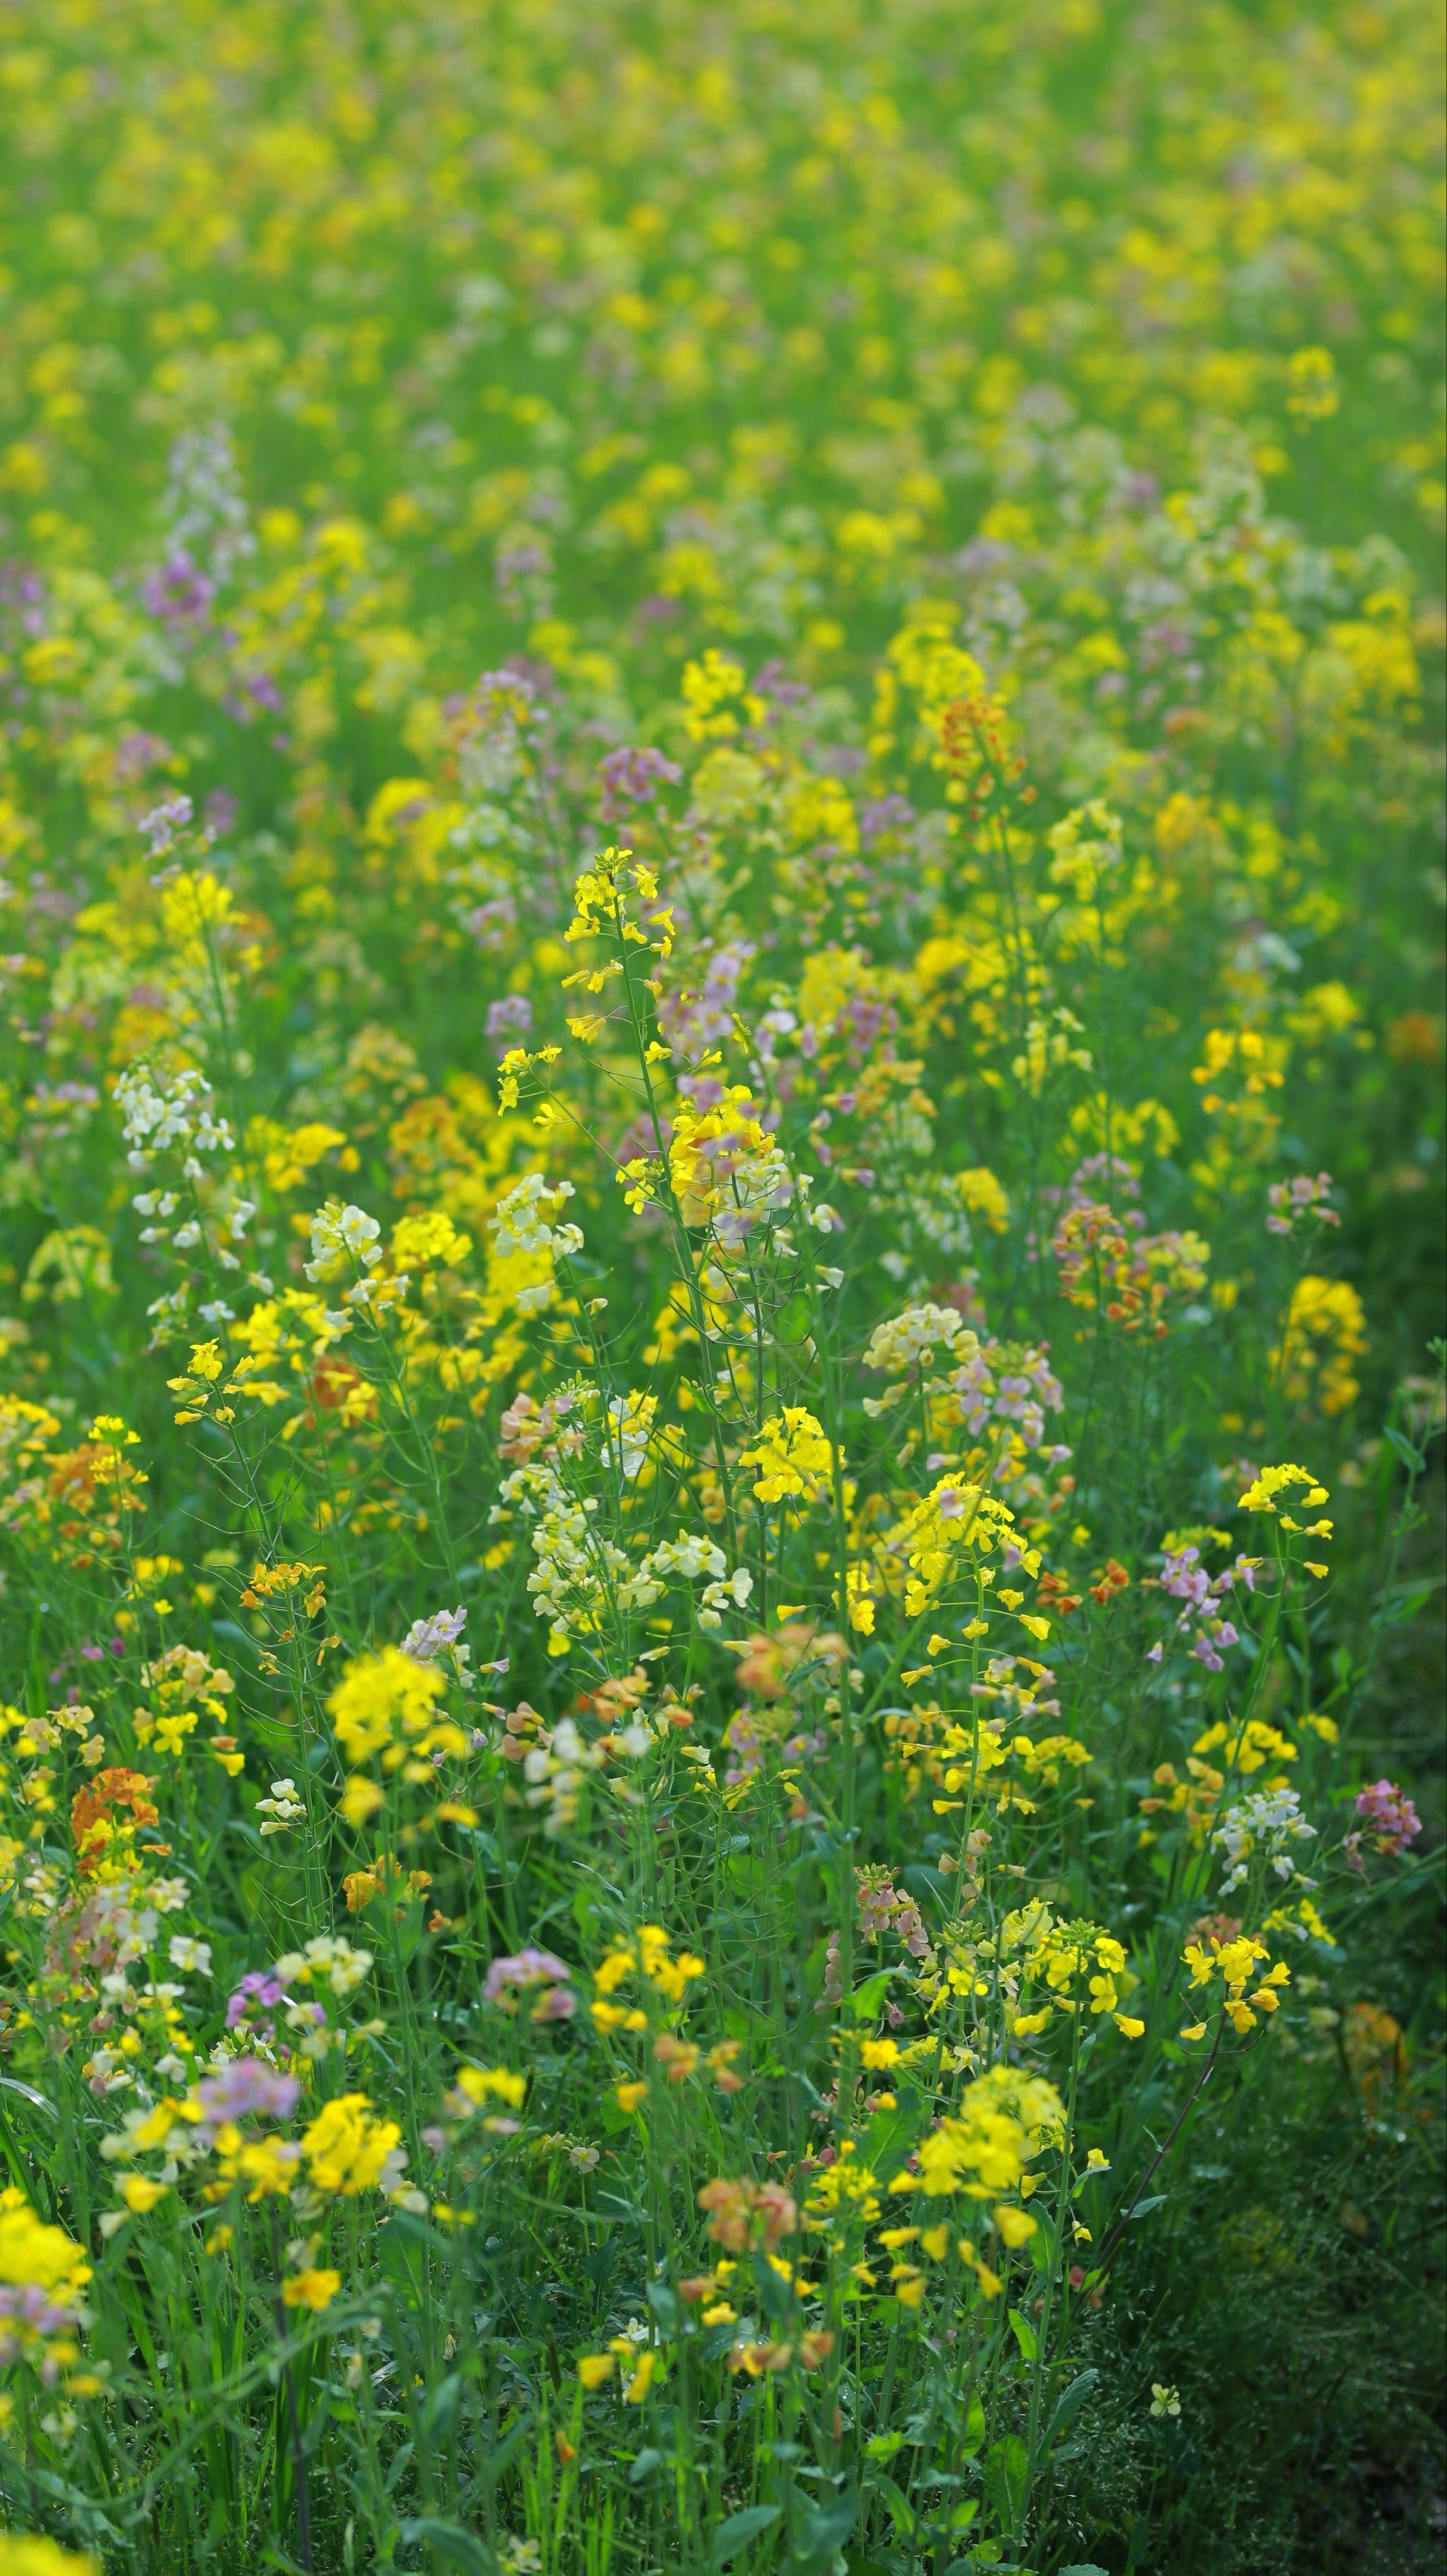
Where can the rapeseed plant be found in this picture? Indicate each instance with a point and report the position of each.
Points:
(714, 796)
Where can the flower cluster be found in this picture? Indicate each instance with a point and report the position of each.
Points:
(715, 810)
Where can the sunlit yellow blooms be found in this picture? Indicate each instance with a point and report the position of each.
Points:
(310, 2289)
(984, 2148)
(1016, 2226)
(22, 2555)
(140, 2194)
(793, 1457)
(386, 1704)
(36, 2255)
(429, 1242)
(492, 2083)
(704, 709)
(1325, 1333)
(348, 2149)
(1261, 1494)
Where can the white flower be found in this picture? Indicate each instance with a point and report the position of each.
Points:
(169, 1110)
(183, 1952)
(1265, 1825)
(342, 1236)
(521, 1223)
(283, 1807)
(913, 1337)
(426, 1638)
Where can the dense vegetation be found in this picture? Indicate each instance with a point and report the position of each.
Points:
(720, 1215)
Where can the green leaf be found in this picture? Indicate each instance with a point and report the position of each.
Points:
(891, 2134)
(1025, 2335)
(1007, 2480)
(740, 2528)
(1405, 1607)
(867, 1999)
(1409, 1456)
(455, 2547)
(664, 2302)
(1071, 2404)
(826, 2526)
(38, 2102)
(901, 2511)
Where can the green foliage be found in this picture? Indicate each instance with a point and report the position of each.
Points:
(720, 1155)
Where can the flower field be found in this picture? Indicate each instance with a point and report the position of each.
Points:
(720, 1254)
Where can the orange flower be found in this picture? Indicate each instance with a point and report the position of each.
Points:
(110, 1792)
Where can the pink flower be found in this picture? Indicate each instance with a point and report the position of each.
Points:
(1390, 1813)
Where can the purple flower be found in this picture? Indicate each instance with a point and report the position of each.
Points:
(1294, 1200)
(162, 824)
(771, 681)
(1390, 1813)
(138, 752)
(513, 1011)
(633, 776)
(26, 2312)
(247, 2085)
(506, 1978)
(881, 817)
(426, 1638)
(178, 593)
(693, 1021)
(258, 1986)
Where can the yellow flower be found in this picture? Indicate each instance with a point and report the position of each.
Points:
(1001, 2120)
(140, 2194)
(792, 1455)
(24, 2555)
(378, 1693)
(313, 2290)
(359, 1800)
(480, 2082)
(34, 2255)
(1015, 2225)
(428, 1243)
(1260, 1496)
(348, 2150)
(594, 2368)
(268, 2167)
